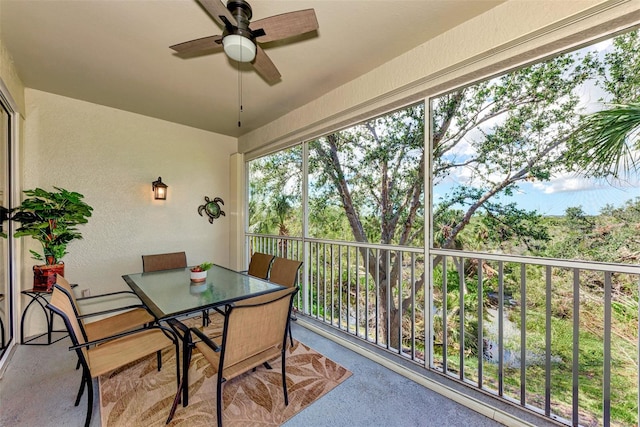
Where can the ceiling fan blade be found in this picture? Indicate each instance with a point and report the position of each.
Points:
(217, 10)
(286, 25)
(209, 44)
(265, 67)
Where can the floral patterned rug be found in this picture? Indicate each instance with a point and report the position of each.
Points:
(139, 395)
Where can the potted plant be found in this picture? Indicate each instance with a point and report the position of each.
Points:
(199, 272)
(50, 217)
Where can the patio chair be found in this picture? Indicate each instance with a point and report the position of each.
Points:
(128, 317)
(285, 272)
(101, 356)
(254, 333)
(259, 265)
(167, 261)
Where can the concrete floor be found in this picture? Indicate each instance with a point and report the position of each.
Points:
(40, 384)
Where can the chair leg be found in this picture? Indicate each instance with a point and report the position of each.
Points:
(219, 401)
(290, 334)
(183, 384)
(284, 379)
(176, 400)
(159, 357)
(89, 401)
(81, 390)
(205, 318)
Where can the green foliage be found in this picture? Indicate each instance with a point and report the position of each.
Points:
(275, 193)
(373, 172)
(489, 140)
(205, 266)
(490, 137)
(602, 144)
(606, 144)
(608, 237)
(51, 217)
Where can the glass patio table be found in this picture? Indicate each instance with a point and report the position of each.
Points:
(169, 294)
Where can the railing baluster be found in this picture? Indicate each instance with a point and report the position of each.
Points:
(348, 308)
(461, 296)
(413, 304)
(366, 295)
(523, 333)
(357, 296)
(388, 302)
(324, 281)
(327, 268)
(332, 283)
(547, 368)
(399, 261)
(480, 345)
(377, 283)
(575, 364)
(340, 288)
(606, 374)
(429, 312)
(500, 328)
(445, 314)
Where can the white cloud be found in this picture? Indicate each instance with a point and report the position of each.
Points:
(573, 183)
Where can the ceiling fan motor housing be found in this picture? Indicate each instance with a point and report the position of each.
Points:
(239, 41)
(241, 10)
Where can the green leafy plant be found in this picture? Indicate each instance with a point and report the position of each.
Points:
(51, 217)
(202, 267)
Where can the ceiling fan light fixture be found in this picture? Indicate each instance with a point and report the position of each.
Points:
(239, 48)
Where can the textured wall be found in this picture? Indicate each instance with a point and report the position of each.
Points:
(111, 157)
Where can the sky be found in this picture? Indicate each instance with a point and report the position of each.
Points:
(554, 197)
(554, 200)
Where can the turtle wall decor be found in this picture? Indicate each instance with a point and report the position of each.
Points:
(211, 208)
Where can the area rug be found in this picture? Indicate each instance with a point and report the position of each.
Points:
(139, 395)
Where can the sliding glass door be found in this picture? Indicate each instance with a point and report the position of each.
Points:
(6, 299)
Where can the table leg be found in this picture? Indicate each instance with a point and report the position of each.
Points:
(183, 388)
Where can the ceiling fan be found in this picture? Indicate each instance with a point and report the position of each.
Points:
(240, 42)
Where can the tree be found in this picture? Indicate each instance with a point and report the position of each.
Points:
(275, 193)
(512, 128)
(375, 171)
(487, 140)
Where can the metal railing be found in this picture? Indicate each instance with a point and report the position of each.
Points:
(557, 337)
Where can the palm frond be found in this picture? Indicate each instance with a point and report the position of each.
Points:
(606, 142)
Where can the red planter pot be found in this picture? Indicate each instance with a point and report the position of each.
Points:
(45, 276)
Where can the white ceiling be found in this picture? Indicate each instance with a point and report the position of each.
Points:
(116, 53)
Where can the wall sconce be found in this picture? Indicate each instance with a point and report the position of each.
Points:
(159, 189)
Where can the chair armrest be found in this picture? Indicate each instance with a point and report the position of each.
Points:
(109, 294)
(111, 310)
(205, 339)
(124, 334)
